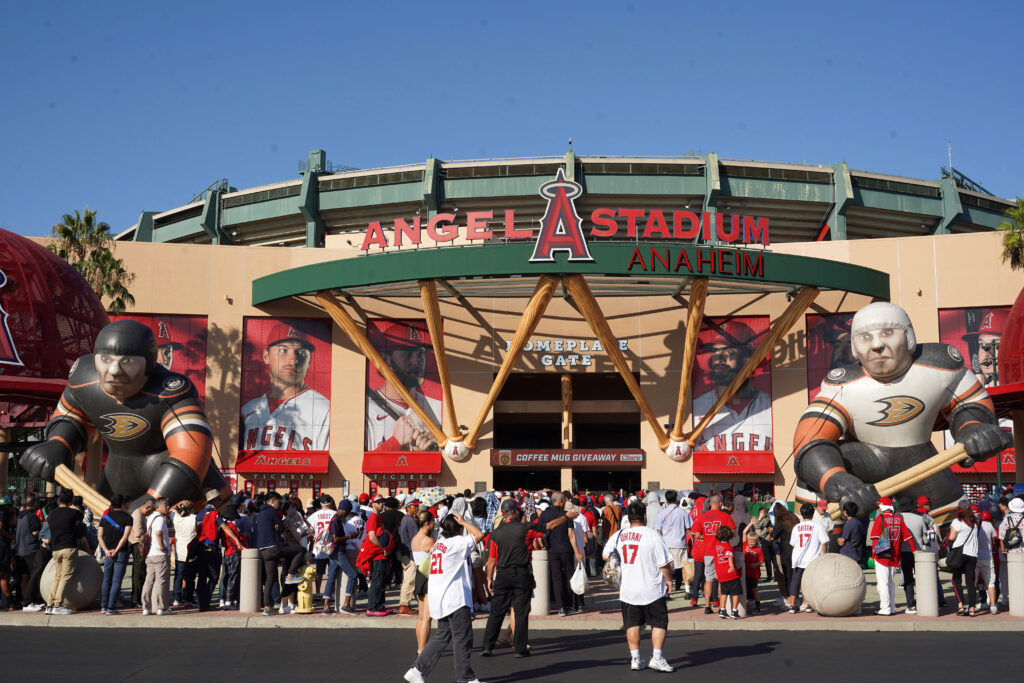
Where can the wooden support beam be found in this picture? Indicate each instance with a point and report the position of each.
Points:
(695, 314)
(432, 309)
(527, 324)
(355, 333)
(804, 297)
(591, 312)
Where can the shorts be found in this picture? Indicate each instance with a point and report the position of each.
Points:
(654, 614)
(420, 587)
(678, 557)
(733, 587)
(709, 568)
(986, 573)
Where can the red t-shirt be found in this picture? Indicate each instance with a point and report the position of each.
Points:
(708, 524)
(723, 553)
(898, 534)
(752, 559)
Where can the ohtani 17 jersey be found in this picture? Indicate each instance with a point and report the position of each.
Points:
(642, 553)
(901, 412)
(300, 423)
(164, 416)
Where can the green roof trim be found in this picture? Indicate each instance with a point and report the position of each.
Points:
(641, 263)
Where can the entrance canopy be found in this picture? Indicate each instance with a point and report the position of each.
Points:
(585, 274)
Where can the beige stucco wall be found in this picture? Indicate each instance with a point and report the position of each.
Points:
(927, 273)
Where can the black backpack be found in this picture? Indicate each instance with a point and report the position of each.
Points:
(1013, 538)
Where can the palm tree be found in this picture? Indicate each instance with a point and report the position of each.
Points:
(1013, 235)
(85, 244)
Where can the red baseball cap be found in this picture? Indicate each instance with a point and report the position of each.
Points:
(992, 322)
(885, 500)
(364, 498)
(282, 332)
(985, 516)
(823, 504)
(390, 334)
(731, 333)
(924, 500)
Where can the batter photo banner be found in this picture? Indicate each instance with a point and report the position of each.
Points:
(391, 425)
(828, 347)
(286, 385)
(745, 422)
(180, 344)
(977, 333)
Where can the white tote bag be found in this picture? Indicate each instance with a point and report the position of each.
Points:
(578, 582)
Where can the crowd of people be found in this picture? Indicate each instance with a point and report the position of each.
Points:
(471, 554)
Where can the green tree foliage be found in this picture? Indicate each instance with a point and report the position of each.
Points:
(1013, 235)
(87, 245)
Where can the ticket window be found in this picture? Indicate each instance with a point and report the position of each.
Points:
(753, 491)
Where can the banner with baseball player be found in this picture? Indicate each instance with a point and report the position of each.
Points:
(828, 347)
(180, 344)
(977, 333)
(286, 385)
(745, 422)
(391, 425)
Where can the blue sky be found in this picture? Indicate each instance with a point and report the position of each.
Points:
(135, 106)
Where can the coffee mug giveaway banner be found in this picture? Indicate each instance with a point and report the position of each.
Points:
(828, 347)
(286, 385)
(391, 424)
(180, 344)
(745, 422)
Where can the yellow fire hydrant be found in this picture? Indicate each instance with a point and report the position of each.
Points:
(304, 597)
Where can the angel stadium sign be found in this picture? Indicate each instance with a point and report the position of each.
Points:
(561, 227)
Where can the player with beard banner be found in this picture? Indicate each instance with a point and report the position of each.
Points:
(391, 425)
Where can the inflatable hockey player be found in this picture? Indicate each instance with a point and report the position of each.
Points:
(874, 419)
(150, 419)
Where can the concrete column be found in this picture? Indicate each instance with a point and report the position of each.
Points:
(249, 583)
(1015, 583)
(541, 602)
(926, 579)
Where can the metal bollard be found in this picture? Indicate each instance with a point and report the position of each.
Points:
(1015, 583)
(249, 581)
(541, 601)
(927, 579)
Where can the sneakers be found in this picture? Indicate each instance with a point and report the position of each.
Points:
(34, 607)
(413, 675)
(61, 611)
(163, 612)
(993, 609)
(660, 664)
(347, 610)
(112, 612)
(637, 665)
(883, 613)
(267, 612)
(707, 610)
(693, 602)
(285, 608)
(145, 612)
(562, 613)
(910, 610)
(722, 614)
(806, 608)
(375, 613)
(792, 609)
(223, 604)
(733, 615)
(49, 609)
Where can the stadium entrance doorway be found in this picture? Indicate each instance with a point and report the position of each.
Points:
(596, 480)
(513, 478)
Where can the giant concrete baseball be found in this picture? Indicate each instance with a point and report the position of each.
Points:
(84, 586)
(834, 585)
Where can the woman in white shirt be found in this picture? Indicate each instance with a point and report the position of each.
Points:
(963, 533)
(450, 595)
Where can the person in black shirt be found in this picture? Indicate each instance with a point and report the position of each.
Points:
(510, 574)
(113, 539)
(268, 540)
(561, 559)
(66, 535)
(28, 554)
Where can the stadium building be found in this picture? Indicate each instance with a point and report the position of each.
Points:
(523, 322)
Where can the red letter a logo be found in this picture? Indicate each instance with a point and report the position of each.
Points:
(560, 228)
(8, 354)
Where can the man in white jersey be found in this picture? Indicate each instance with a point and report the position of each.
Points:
(450, 596)
(744, 423)
(320, 522)
(646, 582)
(290, 416)
(809, 540)
(391, 424)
